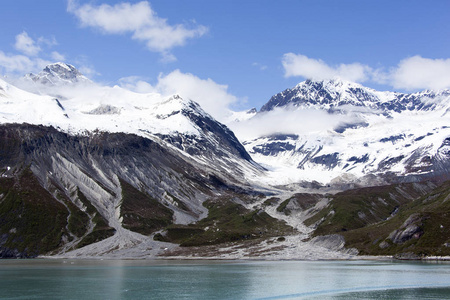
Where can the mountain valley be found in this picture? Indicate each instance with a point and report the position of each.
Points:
(97, 171)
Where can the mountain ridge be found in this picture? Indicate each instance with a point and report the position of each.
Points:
(178, 122)
(334, 93)
(358, 133)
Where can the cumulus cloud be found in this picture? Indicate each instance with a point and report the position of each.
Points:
(287, 120)
(88, 70)
(213, 97)
(413, 73)
(10, 63)
(26, 45)
(141, 21)
(56, 56)
(32, 56)
(317, 69)
(136, 84)
(421, 73)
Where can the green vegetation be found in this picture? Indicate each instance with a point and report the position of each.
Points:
(370, 226)
(299, 201)
(31, 220)
(282, 206)
(226, 222)
(99, 233)
(357, 208)
(141, 212)
(78, 220)
(271, 201)
(101, 229)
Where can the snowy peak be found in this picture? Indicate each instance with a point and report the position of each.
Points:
(110, 109)
(58, 74)
(336, 93)
(174, 121)
(328, 94)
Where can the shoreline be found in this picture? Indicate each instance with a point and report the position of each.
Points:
(268, 259)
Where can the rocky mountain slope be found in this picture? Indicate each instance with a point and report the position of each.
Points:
(109, 162)
(409, 220)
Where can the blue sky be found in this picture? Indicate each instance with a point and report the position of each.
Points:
(238, 52)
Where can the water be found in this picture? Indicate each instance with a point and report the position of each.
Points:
(145, 279)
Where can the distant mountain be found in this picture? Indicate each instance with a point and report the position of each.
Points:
(382, 136)
(337, 94)
(58, 74)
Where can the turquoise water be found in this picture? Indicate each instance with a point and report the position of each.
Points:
(146, 279)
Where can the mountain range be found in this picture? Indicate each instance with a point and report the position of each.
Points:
(89, 170)
(360, 135)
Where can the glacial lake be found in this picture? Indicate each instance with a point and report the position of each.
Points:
(162, 279)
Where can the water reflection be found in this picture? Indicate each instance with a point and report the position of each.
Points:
(123, 279)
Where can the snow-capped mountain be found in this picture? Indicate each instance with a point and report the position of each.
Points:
(118, 160)
(176, 122)
(58, 74)
(109, 171)
(337, 94)
(361, 135)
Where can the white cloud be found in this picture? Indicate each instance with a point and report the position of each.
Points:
(136, 84)
(213, 97)
(138, 19)
(119, 18)
(26, 45)
(13, 63)
(260, 66)
(88, 70)
(167, 57)
(421, 73)
(56, 56)
(20, 63)
(317, 69)
(287, 120)
(33, 57)
(413, 73)
(49, 42)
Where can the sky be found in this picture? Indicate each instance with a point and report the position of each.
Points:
(229, 54)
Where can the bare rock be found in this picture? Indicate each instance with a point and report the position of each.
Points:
(411, 228)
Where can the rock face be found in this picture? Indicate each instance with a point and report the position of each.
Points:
(333, 242)
(411, 228)
(105, 180)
